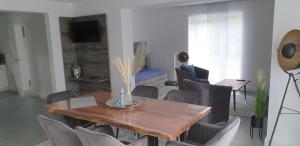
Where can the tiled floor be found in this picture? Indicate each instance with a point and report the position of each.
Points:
(18, 125)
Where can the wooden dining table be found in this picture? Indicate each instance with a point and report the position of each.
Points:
(155, 118)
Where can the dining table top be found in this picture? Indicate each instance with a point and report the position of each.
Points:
(157, 118)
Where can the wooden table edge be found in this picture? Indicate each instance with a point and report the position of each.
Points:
(132, 128)
(201, 116)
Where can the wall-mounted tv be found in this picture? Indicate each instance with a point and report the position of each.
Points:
(85, 31)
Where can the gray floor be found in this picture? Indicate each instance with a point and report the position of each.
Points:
(242, 137)
(18, 125)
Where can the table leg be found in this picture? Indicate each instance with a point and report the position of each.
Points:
(182, 136)
(234, 93)
(152, 141)
(245, 91)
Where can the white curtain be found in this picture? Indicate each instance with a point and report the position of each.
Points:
(215, 41)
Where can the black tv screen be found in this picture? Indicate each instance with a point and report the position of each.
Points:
(85, 31)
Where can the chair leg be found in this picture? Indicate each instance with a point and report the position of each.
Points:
(245, 91)
(260, 133)
(117, 133)
(234, 95)
(251, 132)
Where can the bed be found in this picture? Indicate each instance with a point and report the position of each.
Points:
(151, 77)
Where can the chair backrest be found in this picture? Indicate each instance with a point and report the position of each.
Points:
(186, 96)
(202, 90)
(220, 101)
(59, 96)
(145, 91)
(181, 75)
(58, 133)
(201, 73)
(226, 135)
(91, 138)
(217, 97)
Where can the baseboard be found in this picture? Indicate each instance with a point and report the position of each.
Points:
(39, 94)
(266, 143)
(3, 89)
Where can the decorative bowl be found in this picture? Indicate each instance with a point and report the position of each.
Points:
(135, 102)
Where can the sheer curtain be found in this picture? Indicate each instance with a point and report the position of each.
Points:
(215, 41)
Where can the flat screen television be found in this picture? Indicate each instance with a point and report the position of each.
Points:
(85, 31)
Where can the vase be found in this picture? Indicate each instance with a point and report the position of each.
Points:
(128, 95)
(128, 100)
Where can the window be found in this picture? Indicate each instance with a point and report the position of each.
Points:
(216, 42)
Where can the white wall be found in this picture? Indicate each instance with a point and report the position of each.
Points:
(38, 49)
(288, 130)
(53, 10)
(166, 31)
(4, 44)
(118, 39)
(35, 32)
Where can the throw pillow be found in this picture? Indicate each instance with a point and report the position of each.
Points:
(189, 68)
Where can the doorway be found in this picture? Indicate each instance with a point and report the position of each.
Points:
(23, 42)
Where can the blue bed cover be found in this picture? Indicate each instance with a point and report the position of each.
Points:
(148, 74)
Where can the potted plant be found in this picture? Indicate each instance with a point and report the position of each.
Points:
(260, 107)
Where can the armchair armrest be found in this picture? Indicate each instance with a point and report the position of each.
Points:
(140, 142)
(201, 73)
(203, 132)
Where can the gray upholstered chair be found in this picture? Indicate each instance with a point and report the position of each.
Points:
(65, 95)
(186, 96)
(59, 134)
(215, 96)
(203, 134)
(91, 138)
(145, 91)
(59, 96)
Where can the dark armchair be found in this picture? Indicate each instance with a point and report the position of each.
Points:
(198, 74)
(215, 96)
(201, 73)
(145, 91)
(210, 135)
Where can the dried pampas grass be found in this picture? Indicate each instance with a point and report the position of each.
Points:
(128, 67)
